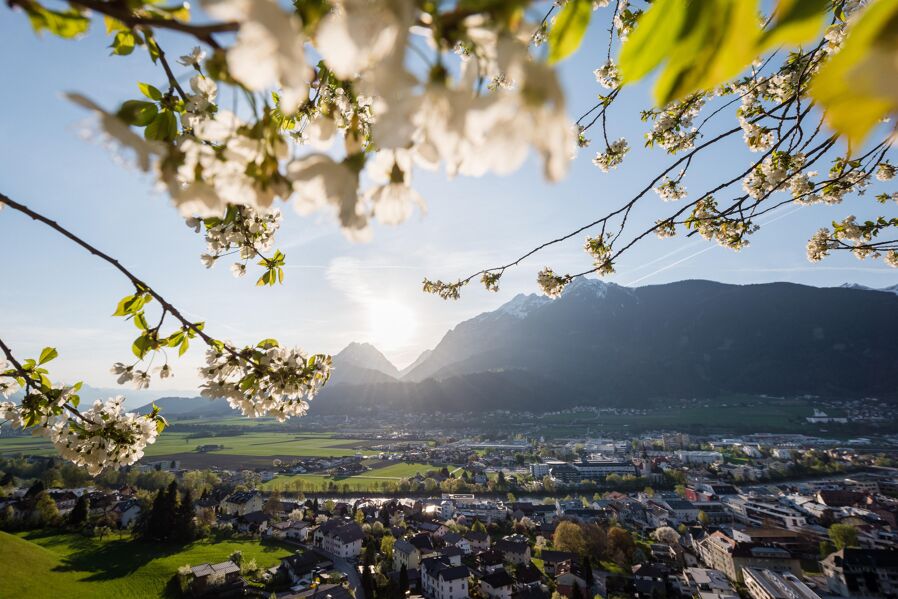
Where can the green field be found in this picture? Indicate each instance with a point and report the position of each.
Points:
(249, 444)
(369, 481)
(68, 565)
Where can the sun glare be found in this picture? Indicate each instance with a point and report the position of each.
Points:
(391, 323)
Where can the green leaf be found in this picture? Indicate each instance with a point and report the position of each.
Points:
(266, 343)
(149, 91)
(140, 321)
(131, 304)
(701, 45)
(185, 343)
(137, 112)
(47, 354)
(141, 346)
(569, 28)
(67, 24)
(163, 128)
(795, 22)
(856, 86)
(651, 41)
(123, 43)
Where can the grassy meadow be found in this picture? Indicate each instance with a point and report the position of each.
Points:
(251, 444)
(69, 565)
(369, 481)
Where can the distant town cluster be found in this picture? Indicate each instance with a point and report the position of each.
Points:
(763, 516)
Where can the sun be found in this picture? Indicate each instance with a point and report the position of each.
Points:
(391, 323)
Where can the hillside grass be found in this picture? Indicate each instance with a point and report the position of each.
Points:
(369, 481)
(69, 565)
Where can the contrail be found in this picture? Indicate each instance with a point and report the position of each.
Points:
(691, 256)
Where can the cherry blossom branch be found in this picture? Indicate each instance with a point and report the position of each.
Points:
(137, 282)
(119, 10)
(31, 382)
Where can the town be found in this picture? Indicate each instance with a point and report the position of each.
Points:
(764, 516)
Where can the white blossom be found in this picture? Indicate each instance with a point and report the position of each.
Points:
(670, 190)
(608, 75)
(613, 155)
(550, 283)
(196, 56)
(885, 171)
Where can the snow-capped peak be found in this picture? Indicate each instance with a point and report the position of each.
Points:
(582, 285)
(521, 305)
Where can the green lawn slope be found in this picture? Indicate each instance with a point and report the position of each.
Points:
(67, 565)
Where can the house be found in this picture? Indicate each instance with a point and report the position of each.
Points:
(214, 576)
(552, 559)
(342, 538)
(126, 512)
(441, 580)
(242, 503)
(513, 552)
(298, 531)
(252, 522)
(302, 566)
(433, 528)
(324, 591)
(497, 585)
(453, 553)
(488, 561)
(278, 530)
(650, 580)
(766, 584)
(478, 541)
(569, 575)
(405, 554)
(854, 572)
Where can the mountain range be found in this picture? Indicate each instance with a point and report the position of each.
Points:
(604, 344)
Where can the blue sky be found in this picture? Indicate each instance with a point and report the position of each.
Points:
(53, 293)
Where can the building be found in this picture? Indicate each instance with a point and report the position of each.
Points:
(513, 552)
(240, 504)
(706, 583)
(405, 554)
(765, 513)
(442, 580)
(699, 457)
(340, 537)
(497, 585)
(214, 576)
(720, 552)
(597, 470)
(126, 512)
(542, 469)
(862, 572)
(766, 584)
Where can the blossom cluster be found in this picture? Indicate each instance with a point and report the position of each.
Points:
(265, 380)
(671, 190)
(710, 223)
(550, 283)
(105, 436)
(600, 250)
(244, 230)
(363, 92)
(672, 125)
(608, 75)
(613, 155)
